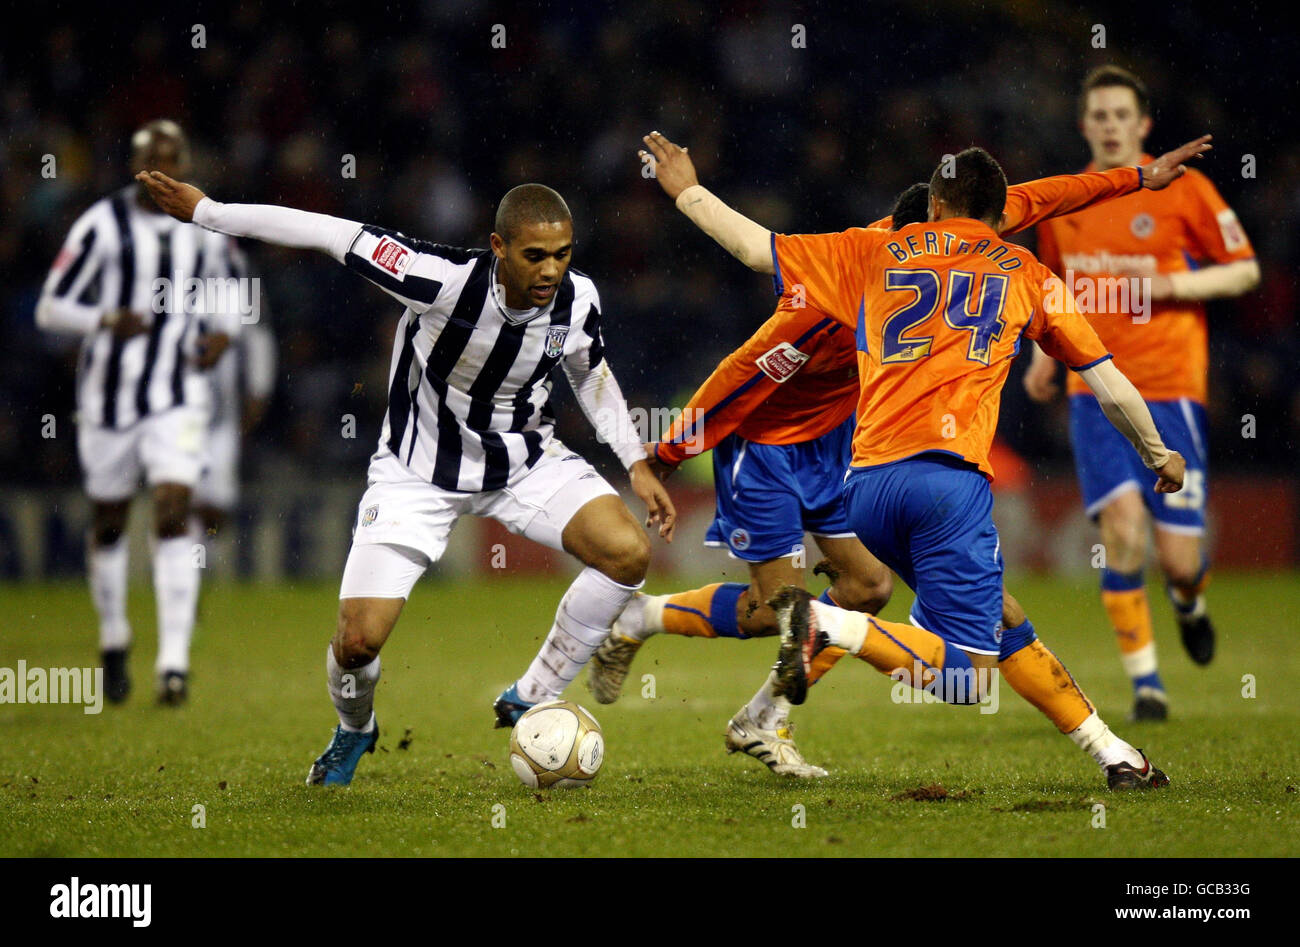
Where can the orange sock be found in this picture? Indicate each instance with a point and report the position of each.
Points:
(1125, 599)
(687, 613)
(824, 661)
(892, 645)
(1039, 677)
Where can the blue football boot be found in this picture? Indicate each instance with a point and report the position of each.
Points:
(336, 765)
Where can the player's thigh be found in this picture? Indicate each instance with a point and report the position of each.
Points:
(1182, 426)
(756, 618)
(1180, 554)
(110, 462)
(862, 582)
(377, 580)
(1123, 522)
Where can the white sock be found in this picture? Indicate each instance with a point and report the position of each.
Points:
(176, 588)
(643, 617)
(107, 568)
(1094, 738)
(353, 692)
(847, 630)
(582, 622)
(767, 709)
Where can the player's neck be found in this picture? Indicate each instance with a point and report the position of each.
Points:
(1130, 160)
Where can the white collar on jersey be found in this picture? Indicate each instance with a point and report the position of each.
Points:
(516, 316)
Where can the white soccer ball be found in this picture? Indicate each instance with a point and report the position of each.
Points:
(556, 743)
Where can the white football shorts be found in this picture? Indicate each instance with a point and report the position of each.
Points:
(218, 484)
(165, 448)
(399, 509)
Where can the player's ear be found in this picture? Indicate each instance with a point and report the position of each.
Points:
(1144, 126)
(1002, 222)
(933, 208)
(498, 245)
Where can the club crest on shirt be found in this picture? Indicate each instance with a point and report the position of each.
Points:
(555, 337)
(739, 539)
(1142, 226)
(781, 361)
(391, 257)
(370, 515)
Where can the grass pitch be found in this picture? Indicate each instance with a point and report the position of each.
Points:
(907, 779)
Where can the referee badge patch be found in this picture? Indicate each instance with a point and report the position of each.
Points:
(555, 337)
(391, 257)
(370, 515)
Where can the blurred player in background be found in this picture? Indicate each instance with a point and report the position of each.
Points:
(142, 397)
(242, 384)
(1185, 244)
(778, 414)
(469, 431)
(939, 310)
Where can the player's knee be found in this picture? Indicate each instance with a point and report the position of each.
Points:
(108, 524)
(171, 510)
(1125, 540)
(1180, 572)
(869, 594)
(356, 641)
(624, 556)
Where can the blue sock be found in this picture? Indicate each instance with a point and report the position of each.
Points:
(825, 598)
(1013, 639)
(722, 610)
(1112, 581)
(956, 681)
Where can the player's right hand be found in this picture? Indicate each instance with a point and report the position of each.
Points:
(1169, 166)
(672, 166)
(1040, 380)
(124, 323)
(172, 197)
(1171, 474)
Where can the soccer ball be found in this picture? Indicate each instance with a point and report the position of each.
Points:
(556, 743)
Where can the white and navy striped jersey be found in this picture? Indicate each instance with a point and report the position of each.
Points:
(112, 259)
(470, 381)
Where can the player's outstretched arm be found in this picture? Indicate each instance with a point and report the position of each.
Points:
(1125, 409)
(1172, 165)
(747, 241)
(285, 226)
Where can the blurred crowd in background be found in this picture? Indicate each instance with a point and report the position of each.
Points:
(442, 119)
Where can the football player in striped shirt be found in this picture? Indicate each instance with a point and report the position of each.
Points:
(122, 282)
(778, 414)
(1187, 243)
(938, 309)
(469, 430)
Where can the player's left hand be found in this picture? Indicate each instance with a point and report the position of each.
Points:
(172, 197)
(657, 467)
(672, 166)
(1171, 474)
(211, 347)
(1169, 167)
(659, 507)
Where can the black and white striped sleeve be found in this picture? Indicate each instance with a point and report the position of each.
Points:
(412, 271)
(64, 304)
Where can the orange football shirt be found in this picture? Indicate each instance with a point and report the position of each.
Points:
(1164, 350)
(938, 310)
(796, 378)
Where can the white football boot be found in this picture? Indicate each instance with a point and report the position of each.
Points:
(609, 664)
(773, 747)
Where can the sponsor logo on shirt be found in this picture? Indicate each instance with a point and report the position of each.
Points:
(1103, 261)
(781, 361)
(392, 257)
(1143, 225)
(1234, 238)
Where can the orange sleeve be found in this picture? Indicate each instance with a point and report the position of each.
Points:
(824, 270)
(741, 382)
(1059, 328)
(1213, 224)
(1035, 201)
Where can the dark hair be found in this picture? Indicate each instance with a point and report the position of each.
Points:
(972, 184)
(529, 204)
(1107, 76)
(912, 206)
